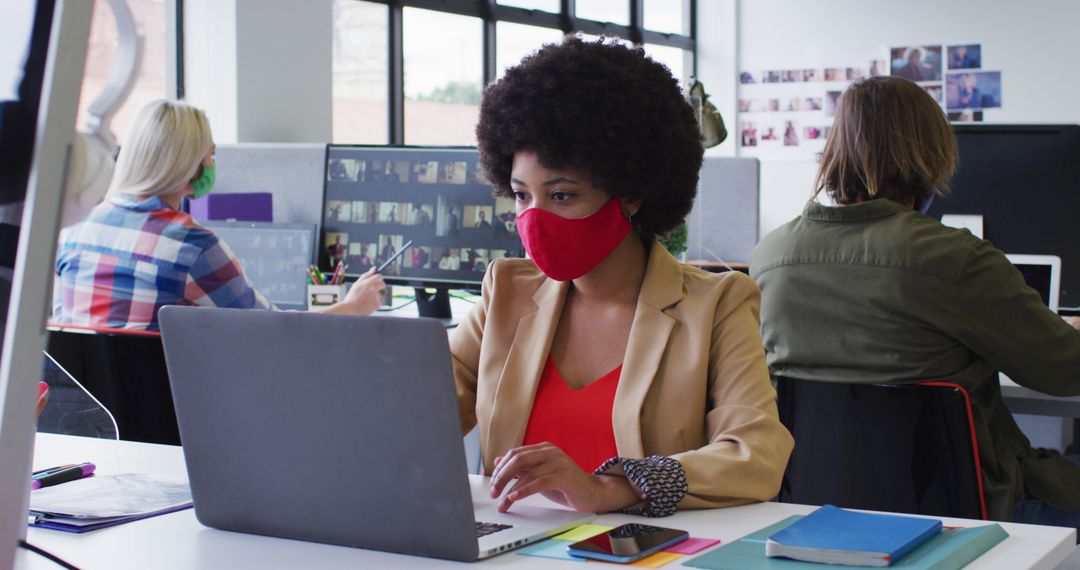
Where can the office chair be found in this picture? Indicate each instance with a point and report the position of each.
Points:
(126, 371)
(901, 448)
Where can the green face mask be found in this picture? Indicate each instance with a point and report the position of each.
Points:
(205, 182)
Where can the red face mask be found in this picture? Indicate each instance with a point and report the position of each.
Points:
(567, 248)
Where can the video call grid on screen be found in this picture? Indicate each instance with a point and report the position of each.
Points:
(275, 257)
(379, 198)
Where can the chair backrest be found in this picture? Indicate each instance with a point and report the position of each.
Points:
(127, 373)
(901, 448)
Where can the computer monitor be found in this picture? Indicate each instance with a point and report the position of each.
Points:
(378, 198)
(1024, 180)
(275, 257)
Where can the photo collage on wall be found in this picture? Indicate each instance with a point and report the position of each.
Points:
(433, 197)
(789, 113)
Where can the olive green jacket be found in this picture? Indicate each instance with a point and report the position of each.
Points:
(878, 293)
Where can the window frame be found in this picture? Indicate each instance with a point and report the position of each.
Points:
(490, 13)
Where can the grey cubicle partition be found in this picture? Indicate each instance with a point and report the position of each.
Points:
(723, 226)
(293, 173)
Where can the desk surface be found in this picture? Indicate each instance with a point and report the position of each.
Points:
(1021, 400)
(177, 540)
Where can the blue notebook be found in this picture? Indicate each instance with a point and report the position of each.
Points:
(951, 549)
(833, 535)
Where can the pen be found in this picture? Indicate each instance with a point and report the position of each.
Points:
(52, 469)
(393, 257)
(64, 475)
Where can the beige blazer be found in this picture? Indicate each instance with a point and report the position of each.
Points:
(694, 385)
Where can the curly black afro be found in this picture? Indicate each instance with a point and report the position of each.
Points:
(602, 108)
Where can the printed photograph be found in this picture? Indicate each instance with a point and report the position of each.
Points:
(496, 254)
(772, 105)
(453, 172)
(813, 133)
(505, 218)
(791, 134)
(967, 56)
(810, 75)
(834, 74)
(426, 172)
(793, 105)
(832, 98)
(747, 78)
(855, 73)
(966, 116)
(478, 217)
(878, 68)
(339, 210)
(916, 63)
(748, 105)
(772, 77)
(934, 91)
(792, 76)
(769, 134)
(812, 104)
(973, 90)
(336, 246)
(748, 133)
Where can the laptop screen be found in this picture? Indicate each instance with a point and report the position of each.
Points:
(1037, 276)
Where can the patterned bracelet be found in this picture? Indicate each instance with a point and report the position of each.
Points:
(662, 479)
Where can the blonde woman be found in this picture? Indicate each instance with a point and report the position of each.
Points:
(136, 251)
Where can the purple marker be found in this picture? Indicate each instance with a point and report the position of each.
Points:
(65, 475)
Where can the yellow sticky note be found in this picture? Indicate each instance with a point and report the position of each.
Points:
(582, 532)
(656, 560)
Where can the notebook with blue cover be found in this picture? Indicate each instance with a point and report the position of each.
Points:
(833, 535)
(950, 549)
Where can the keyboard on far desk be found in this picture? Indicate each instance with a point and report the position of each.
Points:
(484, 529)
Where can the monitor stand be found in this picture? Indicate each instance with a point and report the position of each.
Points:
(435, 305)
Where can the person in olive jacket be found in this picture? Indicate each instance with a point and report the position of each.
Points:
(870, 290)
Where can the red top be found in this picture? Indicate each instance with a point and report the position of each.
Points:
(577, 421)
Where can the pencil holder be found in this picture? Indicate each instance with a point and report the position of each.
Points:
(324, 295)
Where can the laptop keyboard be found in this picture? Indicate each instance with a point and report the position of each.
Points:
(484, 529)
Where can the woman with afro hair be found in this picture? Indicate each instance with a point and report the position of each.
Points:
(603, 373)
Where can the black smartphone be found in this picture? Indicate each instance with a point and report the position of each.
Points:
(627, 543)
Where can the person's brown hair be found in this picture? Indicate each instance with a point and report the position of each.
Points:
(891, 140)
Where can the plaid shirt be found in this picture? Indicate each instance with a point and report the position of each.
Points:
(130, 257)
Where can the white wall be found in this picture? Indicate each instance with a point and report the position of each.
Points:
(1034, 44)
(717, 41)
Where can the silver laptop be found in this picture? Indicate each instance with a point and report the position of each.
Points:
(334, 429)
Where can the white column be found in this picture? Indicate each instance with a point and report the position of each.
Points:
(717, 41)
(261, 68)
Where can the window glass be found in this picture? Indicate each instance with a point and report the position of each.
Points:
(360, 72)
(614, 11)
(545, 5)
(443, 77)
(674, 58)
(668, 16)
(101, 51)
(515, 41)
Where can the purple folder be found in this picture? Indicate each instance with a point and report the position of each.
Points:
(241, 206)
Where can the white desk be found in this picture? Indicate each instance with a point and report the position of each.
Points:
(1021, 400)
(178, 541)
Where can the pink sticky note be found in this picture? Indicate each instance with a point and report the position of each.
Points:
(692, 545)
